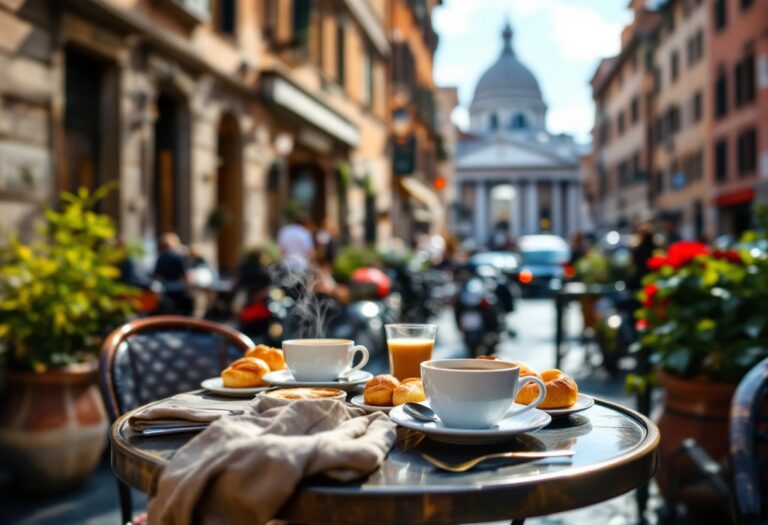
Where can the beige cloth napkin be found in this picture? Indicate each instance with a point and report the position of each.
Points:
(242, 469)
(180, 409)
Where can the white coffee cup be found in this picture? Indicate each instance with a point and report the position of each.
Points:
(318, 360)
(475, 393)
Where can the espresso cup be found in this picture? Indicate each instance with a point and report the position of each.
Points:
(319, 360)
(475, 393)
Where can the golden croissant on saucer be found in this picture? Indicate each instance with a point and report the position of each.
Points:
(246, 372)
(387, 390)
(274, 357)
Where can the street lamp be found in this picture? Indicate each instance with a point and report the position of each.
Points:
(283, 147)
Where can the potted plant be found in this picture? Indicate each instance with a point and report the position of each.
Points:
(58, 296)
(704, 317)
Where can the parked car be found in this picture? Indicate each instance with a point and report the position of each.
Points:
(542, 259)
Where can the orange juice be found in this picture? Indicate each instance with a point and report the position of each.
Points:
(406, 355)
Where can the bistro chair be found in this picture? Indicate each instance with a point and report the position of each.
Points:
(743, 483)
(152, 358)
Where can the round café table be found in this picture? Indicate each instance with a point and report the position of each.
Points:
(615, 452)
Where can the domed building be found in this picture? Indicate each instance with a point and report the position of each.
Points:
(513, 176)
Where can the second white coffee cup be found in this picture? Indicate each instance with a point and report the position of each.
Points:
(475, 393)
(320, 360)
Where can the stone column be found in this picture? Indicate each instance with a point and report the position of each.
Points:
(572, 196)
(558, 228)
(532, 207)
(518, 215)
(481, 213)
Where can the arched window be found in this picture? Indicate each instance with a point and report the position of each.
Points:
(518, 121)
(494, 122)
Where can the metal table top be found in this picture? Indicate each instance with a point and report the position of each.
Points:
(615, 451)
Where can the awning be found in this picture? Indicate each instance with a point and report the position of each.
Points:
(735, 197)
(294, 99)
(425, 195)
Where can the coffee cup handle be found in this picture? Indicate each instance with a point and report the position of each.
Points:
(536, 402)
(363, 361)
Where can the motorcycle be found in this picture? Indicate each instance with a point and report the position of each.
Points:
(479, 316)
(264, 317)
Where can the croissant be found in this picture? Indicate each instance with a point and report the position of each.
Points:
(274, 357)
(562, 390)
(411, 392)
(246, 372)
(379, 390)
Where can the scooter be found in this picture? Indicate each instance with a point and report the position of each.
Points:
(479, 316)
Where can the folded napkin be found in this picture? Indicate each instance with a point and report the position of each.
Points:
(242, 469)
(182, 409)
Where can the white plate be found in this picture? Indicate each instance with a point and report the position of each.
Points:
(506, 429)
(359, 402)
(284, 378)
(583, 402)
(216, 384)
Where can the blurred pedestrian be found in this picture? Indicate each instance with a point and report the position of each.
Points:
(671, 235)
(171, 269)
(326, 242)
(297, 246)
(579, 245)
(643, 246)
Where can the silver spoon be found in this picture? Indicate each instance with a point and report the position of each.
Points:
(419, 411)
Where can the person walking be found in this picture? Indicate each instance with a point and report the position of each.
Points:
(171, 270)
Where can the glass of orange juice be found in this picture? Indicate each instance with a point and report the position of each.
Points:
(409, 345)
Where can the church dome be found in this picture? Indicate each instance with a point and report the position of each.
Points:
(507, 78)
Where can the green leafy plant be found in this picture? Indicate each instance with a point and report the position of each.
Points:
(705, 314)
(61, 293)
(351, 258)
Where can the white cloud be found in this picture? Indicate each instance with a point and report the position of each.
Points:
(583, 34)
(460, 117)
(576, 120)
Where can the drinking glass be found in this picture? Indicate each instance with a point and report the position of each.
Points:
(409, 345)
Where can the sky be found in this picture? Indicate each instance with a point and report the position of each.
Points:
(560, 41)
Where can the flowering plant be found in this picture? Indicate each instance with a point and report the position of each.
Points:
(61, 292)
(704, 312)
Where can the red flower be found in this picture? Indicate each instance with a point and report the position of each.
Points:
(729, 255)
(655, 262)
(641, 324)
(650, 291)
(683, 252)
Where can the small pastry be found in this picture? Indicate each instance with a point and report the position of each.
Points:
(378, 391)
(307, 393)
(562, 390)
(246, 372)
(410, 380)
(491, 357)
(274, 357)
(411, 392)
(525, 370)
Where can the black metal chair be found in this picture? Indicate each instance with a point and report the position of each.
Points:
(156, 357)
(743, 482)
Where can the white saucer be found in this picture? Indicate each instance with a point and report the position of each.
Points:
(359, 402)
(285, 378)
(506, 429)
(216, 385)
(583, 402)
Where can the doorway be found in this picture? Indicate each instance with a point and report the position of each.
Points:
(171, 181)
(90, 126)
(229, 194)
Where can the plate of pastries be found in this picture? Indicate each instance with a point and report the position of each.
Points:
(563, 397)
(244, 377)
(385, 391)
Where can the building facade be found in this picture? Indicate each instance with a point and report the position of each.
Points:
(513, 176)
(214, 116)
(738, 62)
(447, 101)
(622, 154)
(681, 176)
(416, 207)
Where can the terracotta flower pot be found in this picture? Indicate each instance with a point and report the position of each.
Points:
(692, 409)
(52, 427)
